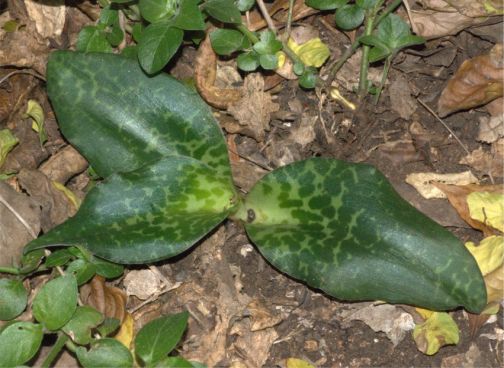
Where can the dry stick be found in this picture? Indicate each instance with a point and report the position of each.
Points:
(37, 75)
(18, 216)
(444, 124)
(289, 19)
(266, 16)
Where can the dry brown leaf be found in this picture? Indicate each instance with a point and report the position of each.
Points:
(142, 283)
(48, 16)
(56, 206)
(496, 107)
(278, 11)
(205, 74)
(478, 8)
(401, 100)
(491, 128)
(14, 235)
(457, 195)
(425, 183)
(478, 81)
(63, 165)
(489, 163)
(261, 317)
(253, 110)
(109, 300)
(432, 24)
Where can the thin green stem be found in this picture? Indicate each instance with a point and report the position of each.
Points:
(289, 20)
(386, 69)
(11, 270)
(250, 35)
(55, 350)
(291, 54)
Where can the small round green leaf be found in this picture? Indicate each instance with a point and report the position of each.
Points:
(189, 16)
(56, 302)
(349, 17)
(223, 10)
(93, 39)
(13, 299)
(158, 43)
(365, 4)
(342, 228)
(244, 5)
(268, 62)
(326, 4)
(156, 10)
(226, 41)
(83, 321)
(309, 78)
(160, 336)
(268, 45)
(83, 270)
(19, 342)
(109, 326)
(105, 353)
(107, 269)
(248, 61)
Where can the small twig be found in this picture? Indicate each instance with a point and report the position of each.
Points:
(289, 20)
(19, 217)
(444, 124)
(266, 16)
(265, 167)
(30, 72)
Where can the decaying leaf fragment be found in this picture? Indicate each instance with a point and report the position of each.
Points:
(488, 208)
(205, 73)
(109, 300)
(488, 162)
(7, 142)
(426, 183)
(458, 194)
(438, 330)
(477, 82)
(127, 331)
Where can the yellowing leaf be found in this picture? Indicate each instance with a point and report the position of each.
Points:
(312, 53)
(7, 142)
(495, 285)
(424, 313)
(438, 330)
(487, 208)
(489, 254)
(281, 58)
(126, 332)
(297, 363)
(76, 201)
(36, 112)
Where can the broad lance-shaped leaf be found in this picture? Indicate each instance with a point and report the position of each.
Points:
(154, 212)
(120, 119)
(342, 228)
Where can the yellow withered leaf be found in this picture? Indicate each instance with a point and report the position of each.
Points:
(297, 363)
(487, 208)
(489, 254)
(424, 313)
(76, 201)
(438, 330)
(312, 53)
(126, 332)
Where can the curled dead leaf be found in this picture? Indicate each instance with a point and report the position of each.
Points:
(205, 73)
(109, 300)
(478, 81)
(489, 163)
(457, 195)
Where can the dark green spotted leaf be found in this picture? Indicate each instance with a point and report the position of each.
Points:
(105, 353)
(152, 213)
(160, 336)
(19, 342)
(83, 321)
(342, 228)
(158, 43)
(120, 119)
(13, 299)
(56, 302)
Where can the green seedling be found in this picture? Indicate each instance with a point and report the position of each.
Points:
(82, 330)
(339, 227)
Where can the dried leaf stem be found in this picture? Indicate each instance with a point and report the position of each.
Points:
(266, 16)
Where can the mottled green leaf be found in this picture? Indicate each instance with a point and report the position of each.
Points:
(105, 353)
(13, 298)
(83, 321)
(56, 302)
(154, 212)
(19, 342)
(120, 119)
(160, 336)
(342, 228)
